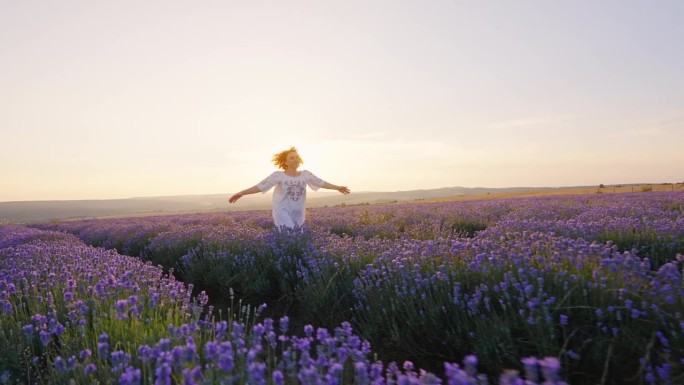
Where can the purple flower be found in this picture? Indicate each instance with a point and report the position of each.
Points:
(121, 309)
(361, 372)
(278, 377)
(177, 356)
(190, 352)
(120, 359)
(470, 363)
(60, 365)
(510, 377)
(225, 361)
(663, 340)
(455, 375)
(190, 375)
(57, 329)
(211, 350)
(308, 330)
(71, 363)
(145, 353)
(85, 354)
(28, 331)
(550, 367)
(221, 328)
(90, 369)
(131, 376)
(572, 355)
(259, 310)
(103, 350)
(531, 370)
(256, 373)
(284, 323)
(308, 376)
(334, 373)
(99, 289)
(162, 375)
(45, 337)
(154, 300)
(121, 305)
(322, 334)
(664, 372)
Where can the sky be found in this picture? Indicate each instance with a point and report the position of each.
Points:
(118, 99)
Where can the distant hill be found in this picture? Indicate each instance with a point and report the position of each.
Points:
(42, 211)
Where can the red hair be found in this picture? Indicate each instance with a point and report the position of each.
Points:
(280, 158)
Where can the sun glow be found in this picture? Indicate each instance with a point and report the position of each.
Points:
(196, 100)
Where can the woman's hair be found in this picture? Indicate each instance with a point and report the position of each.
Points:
(280, 158)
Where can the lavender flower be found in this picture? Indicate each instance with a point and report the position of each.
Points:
(550, 367)
(256, 373)
(131, 376)
(531, 370)
(278, 377)
(90, 369)
(163, 374)
(60, 365)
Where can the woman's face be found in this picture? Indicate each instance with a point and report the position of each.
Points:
(292, 161)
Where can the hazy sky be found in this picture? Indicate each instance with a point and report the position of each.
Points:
(115, 99)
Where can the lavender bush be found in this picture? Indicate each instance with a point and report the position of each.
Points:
(72, 313)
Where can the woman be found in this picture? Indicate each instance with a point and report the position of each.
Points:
(289, 196)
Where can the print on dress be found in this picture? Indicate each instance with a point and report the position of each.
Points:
(295, 189)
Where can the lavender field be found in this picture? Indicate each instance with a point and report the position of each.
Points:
(583, 289)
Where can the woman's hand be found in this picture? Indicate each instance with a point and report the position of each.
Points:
(343, 189)
(251, 190)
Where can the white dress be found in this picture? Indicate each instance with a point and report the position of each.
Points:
(289, 196)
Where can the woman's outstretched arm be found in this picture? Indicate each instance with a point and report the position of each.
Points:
(343, 189)
(251, 190)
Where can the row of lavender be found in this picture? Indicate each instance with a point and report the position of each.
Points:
(595, 280)
(72, 313)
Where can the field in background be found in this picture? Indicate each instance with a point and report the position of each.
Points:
(41, 211)
(607, 189)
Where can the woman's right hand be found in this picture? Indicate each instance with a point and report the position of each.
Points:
(234, 198)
